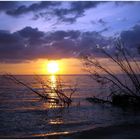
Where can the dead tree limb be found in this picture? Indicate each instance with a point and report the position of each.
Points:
(129, 88)
(61, 95)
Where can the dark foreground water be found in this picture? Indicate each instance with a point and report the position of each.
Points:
(23, 114)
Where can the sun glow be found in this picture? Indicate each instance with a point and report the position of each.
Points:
(53, 67)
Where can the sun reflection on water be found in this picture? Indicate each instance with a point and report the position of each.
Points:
(53, 85)
(54, 107)
(56, 121)
(53, 81)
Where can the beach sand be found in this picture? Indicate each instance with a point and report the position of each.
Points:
(123, 131)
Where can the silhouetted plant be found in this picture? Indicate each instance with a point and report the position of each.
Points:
(127, 64)
(62, 97)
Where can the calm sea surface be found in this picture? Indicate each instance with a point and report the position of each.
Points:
(24, 114)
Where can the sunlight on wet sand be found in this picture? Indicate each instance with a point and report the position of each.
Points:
(50, 134)
(56, 121)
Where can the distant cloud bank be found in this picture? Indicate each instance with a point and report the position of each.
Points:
(30, 43)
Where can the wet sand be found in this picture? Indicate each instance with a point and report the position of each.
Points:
(124, 131)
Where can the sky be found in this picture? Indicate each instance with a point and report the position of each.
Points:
(32, 33)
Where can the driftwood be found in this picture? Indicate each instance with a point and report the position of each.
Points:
(44, 96)
(62, 98)
(98, 100)
(126, 101)
(123, 101)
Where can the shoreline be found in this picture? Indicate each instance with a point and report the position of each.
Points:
(122, 131)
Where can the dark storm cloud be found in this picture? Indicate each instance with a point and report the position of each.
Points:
(4, 5)
(104, 29)
(76, 9)
(30, 43)
(10, 45)
(121, 3)
(67, 14)
(60, 35)
(131, 38)
(30, 32)
(80, 6)
(49, 9)
(21, 45)
(32, 8)
(102, 22)
(63, 15)
(99, 22)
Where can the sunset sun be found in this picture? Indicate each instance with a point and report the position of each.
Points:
(53, 67)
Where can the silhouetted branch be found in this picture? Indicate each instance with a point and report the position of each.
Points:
(125, 62)
(46, 87)
(44, 96)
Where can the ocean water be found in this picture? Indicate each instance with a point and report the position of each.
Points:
(23, 114)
